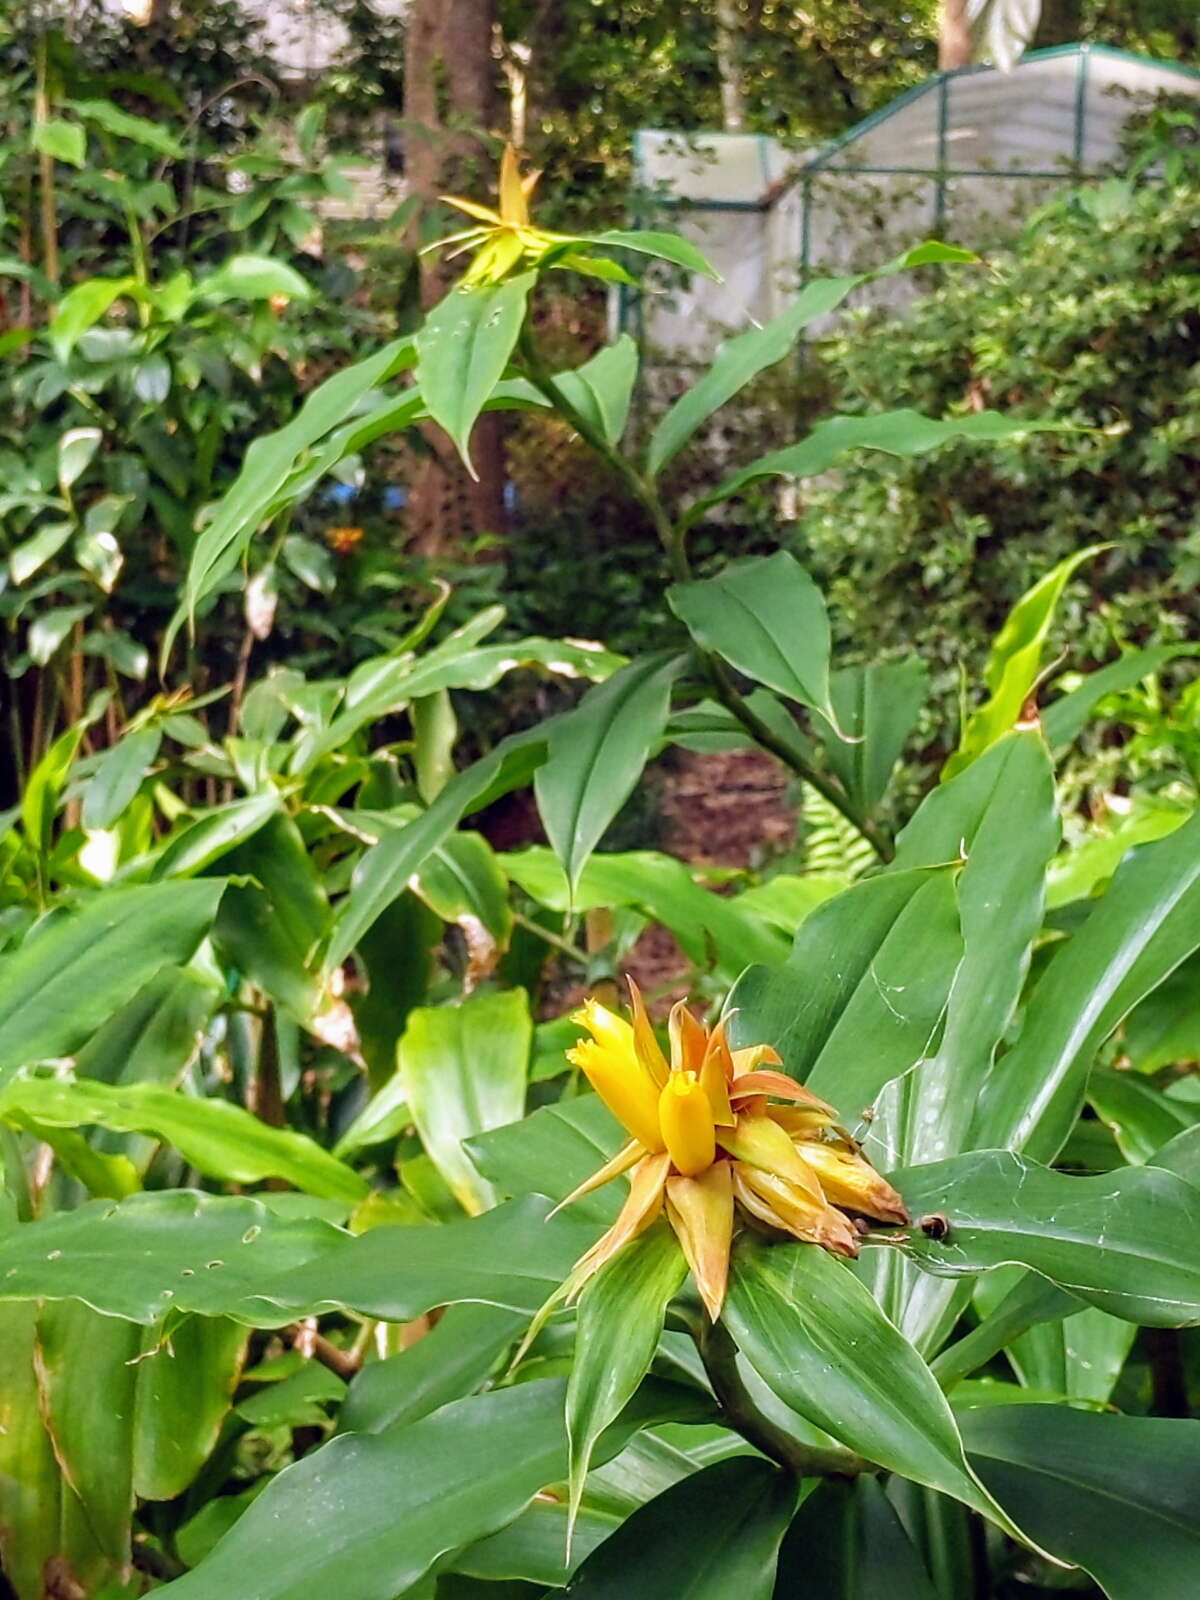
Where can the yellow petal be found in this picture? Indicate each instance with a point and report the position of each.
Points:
(764, 1081)
(647, 1046)
(849, 1180)
(788, 1206)
(513, 204)
(611, 1062)
(800, 1122)
(688, 1040)
(625, 1087)
(686, 1121)
(629, 1155)
(762, 1143)
(483, 213)
(715, 1075)
(639, 1211)
(758, 1055)
(701, 1212)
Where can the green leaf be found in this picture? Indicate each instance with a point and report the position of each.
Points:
(897, 433)
(402, 1501)
(662, 246)
(876, 708)
(81, 308)
(1141, 1116)
(159, 1253)
(124, 126)
(848, 1027)
(48, 631)
(1117, 1495)
(713, 1536)
(31, 555)
(452, 1360)
(463, 349)
(87, 1372)
(215, 834)
(1124, 1241)
(1015, 661)
(596, 754)
(815, 1336)
(464, 1069)
(1135, 936)
(709, 927)
(78, 967)
(847, 1542)
(185, 1386)
(39, 803)
(462, 881)
(153, 1036)
(251, 277)
(738, 360)
(600, 390)
(1066, 719)
(552, 1152)
(65, 141)
(218, 1138)
(383, 873)
(767, 618)
(621, 1313)
(1088, 865)
(118, 776)
(269, 462)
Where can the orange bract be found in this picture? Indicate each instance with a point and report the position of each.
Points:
(707, 1139)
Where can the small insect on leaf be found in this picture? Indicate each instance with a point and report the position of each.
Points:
(935, 1226)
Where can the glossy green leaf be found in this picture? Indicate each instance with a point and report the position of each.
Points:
(850, 1027)
(45, 1526)
(897, 433)
(663, 246)
(621, 1314)
(44, 789)
(383, 873)
(87, 1374)
(300, 1400)
(464, 1070)
(1165, 1028)
(1141, 1116)
(1119, 1496)
(158, 1253)
(153, 1036)
(1015, 661)
(1030, 1302)
(552, 1152)
(215, 1136)
(185, 1384)
(463, 349)
(815, 1336)
(214, 834)
(533, 1549)
(713, 1536)
(1137, 934)
(1079, 1357)
(463, 882)
(81, 308)
(1066, 719)
(268, 463)
(104, 114)
(600, 390)
(767, 618)
(596, 754)
(1085, 869)
(738, 360)
(1125, 1240)
(385, 1116)
(452, 1360)
(77, 968)
(1182, 1155)
(65, 141)
(847, 1542)
(708, 926)
(251, 277)
(876, 708)
(118, 776)
(50, 628)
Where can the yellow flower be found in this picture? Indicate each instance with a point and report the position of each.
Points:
(709, 1138)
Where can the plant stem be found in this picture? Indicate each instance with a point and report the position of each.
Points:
(719, 1355)
(673, 540)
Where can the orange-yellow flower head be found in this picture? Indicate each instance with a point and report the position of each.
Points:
(709, 1136)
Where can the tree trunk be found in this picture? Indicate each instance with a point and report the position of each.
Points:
(954, 36)
(733, 106)
(448, 108)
